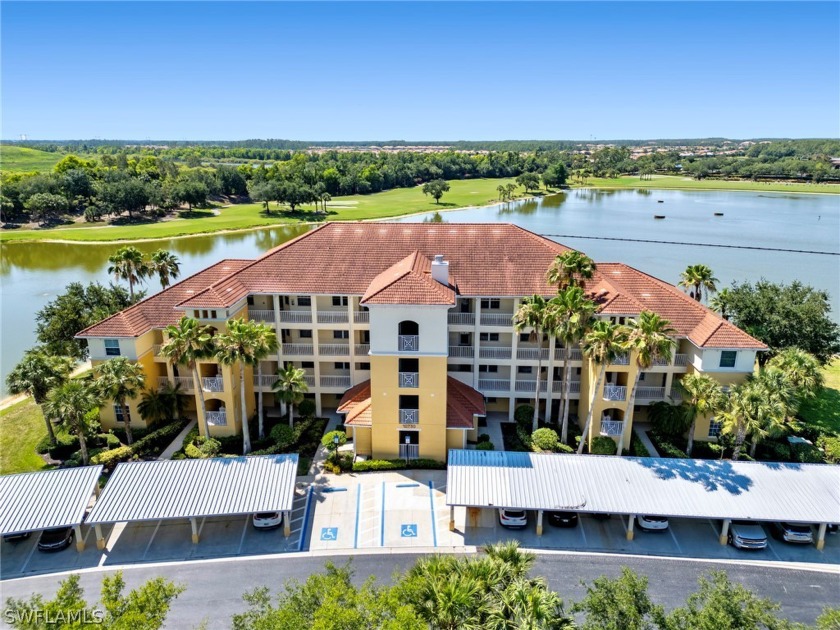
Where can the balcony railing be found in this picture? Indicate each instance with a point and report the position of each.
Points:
(213, 384)
(261, 315)
(615, 392)
(557, 387)
(217, 418)
(661, 361)
(622, 359)
(461, 352)
(409, 379)
(612, 427)
(494, 384)
(334, 349)
(361, 348)
(560, 354)
(530, 386)
(309, 379)
(296, 317)
(298, 349)
(335, 381)
(333, 317)
(408, 343)
(494, 353)
(463, 319)
(496, 319)
(156, 349)
(361, 317)
(185, 382)
(409, 416)
(681, 359)
(677, 393)
(532, 354)
(650, 393)
(409, 451)
(266, 380)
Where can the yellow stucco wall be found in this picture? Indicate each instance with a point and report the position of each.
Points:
(455, 439)
(361, 440)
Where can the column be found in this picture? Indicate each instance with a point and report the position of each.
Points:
(100, 539)
(630, 522)
(451, 518)
(80, 541)
(821, 536)
(549, 376)
(194, 526)
(287, 524)
(724, 531)
(539, 522)
(316, 340)
(475, 344)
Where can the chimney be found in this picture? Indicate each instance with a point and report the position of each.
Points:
(440, 270)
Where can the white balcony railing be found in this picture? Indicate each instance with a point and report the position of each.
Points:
(576, 355)
(557, 387)
(217, 418)
(409, 379)
(409, 416)
(361, 317)
(661, 361)
(622, 359)
(494, 385)
(334, 349)
(296, 317)
(185, 382)
(531, 354)
(361, 348)
(496, 319)
(298, 349)
(409, 451)
(264, 381)
(462, 319)
(156, 349)
(461, 352)
(333, 317)
(680, 359)
(494, 353)
(530, 386)
(336, 381)
(261, 315)
(612, 427)
(677, 393)
(408, 343)
(213, 384)
(650, 393)
(615, 392)
(309, 379)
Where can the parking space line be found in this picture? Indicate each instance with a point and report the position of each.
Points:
(244, 531)
(305, 518)
(358, 504)
(29, 557)
(151, 540)
(432, 505)
(773, 551)
(582, 530)
(382, 519)
(674, 538)
(200, 527)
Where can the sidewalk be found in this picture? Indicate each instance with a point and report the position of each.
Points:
(641, 431)
(494, 429)
(177, 443)
(317, 466)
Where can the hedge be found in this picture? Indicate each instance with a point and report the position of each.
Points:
(665, 447)
(397, 464)
(485, 446)
(637, 446)
(114, 456)
(524, 415)
(545, 440)
(307, 408)
(159, 439)
(603, 445)
(831, 447)
(483, 437)
(805, 453)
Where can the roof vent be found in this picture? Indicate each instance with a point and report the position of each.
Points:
(440, 270)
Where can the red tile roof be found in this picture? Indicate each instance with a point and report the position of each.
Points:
(158, 311)
(408, 282)
(356, 404)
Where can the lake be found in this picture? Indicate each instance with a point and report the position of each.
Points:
(31, 274)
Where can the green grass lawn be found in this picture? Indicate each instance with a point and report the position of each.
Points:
(24, 159)
(21, 428)
(677, 182)
(823, 412)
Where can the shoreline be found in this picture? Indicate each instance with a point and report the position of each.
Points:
(66, 241)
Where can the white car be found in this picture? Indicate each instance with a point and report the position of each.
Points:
(513, 519)
(652, 523)
(268, 520)
(747, 535)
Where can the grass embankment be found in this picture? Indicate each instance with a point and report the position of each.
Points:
(25, 159)
(677, 182)
(823, 412)
(21, 428)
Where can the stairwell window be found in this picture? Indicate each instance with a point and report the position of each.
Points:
(727, 358)
(112, 347)
(304, 300)
(120, 414)
(714, 428)
(490, 304)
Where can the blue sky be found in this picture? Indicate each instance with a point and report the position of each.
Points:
(416, 71)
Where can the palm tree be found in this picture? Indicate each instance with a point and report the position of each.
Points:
(528, 604)
(240, 346)
(35, 375)
(570, 269)
(704, 396)
(290, 387)
(186, 344)
(70, 402)
(127, 264)
(266, 344)
(534, 313)
(159, 405)
(120, 379)
(502, 192)
(698, 277)
(166, 266)
(648, 338)
(750, 411)
(801, 369)
(573, 316)
(601, 344)
(721, 302)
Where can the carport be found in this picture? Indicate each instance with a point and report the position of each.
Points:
(196, 488)
(48, 499)
(678, 488)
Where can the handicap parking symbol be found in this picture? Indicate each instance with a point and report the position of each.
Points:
(329, 533)
(409, 530)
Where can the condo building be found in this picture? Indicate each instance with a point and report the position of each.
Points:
(407, 330)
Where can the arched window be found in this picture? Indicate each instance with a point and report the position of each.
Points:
(409, 339)
(409, 328)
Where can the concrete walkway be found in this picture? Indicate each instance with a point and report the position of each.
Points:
(641, 431)
(177, 443)
(317, 466)
(494, 429)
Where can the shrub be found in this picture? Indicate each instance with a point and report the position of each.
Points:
(665, 447)
(306, 408)
(343, 463)
(485, 446)
(544, 440)
(831, 446)
(637, 447)
(805, 453)
(203, 448)
(108, 439)
(397, 464)
(524, 415)
(775, 451)
(603, 445)
(328, 441)
(159, 439)
(65, 446)
(484, 437)
(564, 448)
(524, 435)
(114, 456)
(282, 435)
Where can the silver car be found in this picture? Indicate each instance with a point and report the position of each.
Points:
(747, 535)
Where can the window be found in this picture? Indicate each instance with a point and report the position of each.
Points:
(197, 314)
(341, 365)
(524, 369)
(524, 337)
(490, 304)
(341, 334)
(409, 365)
(363, 366)
(339, 300)
(304, 300)
(465, 339)
(727, 358)
(459, 367)
(488, 368)
(308, 364)
(120, 413)
(714, 428)
(641, 377)
(250, 300)
(465, 306)
(490, 400)
(112, 347)
(286, 300)
(409, 402)
(488, 336)
(205, 314)
(213, 315)
(306, 334)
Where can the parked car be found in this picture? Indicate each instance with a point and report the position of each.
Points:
(55, 539)
(563, 519)
(601, 516)
(747, 535)
(792, 533)
(267, 520)
(513, 519)
(16, 537)
(652, 523)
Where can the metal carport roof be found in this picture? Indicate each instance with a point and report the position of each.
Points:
(193, 488)
(691, 488)
(47, 499)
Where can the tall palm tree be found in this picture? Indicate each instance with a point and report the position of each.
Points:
(127, 264)
(573, 316)
(186, 344)
(70, 402)
(750, 411)
(159, 405)
(265, 345)
(528, 604)
(290, 387)
(569, 269)
(240, 346)
(35, 375)
(801, 369)
(534, 313)
(648, 337)
(166, 265)
(119, 379)
(601, 344)
(721, 302)
(698, 278)
(704, 396)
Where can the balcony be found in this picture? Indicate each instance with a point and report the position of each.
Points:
(261, 316)
(361, 317)
(461, 352)
(557, 387)
(409, 379)
(409, 416)
(213, 384)
(531, 354)
(615, 392)
(309, 379)
(612, 428)
(496, 319)
(361, 348)
(342, 382)
(462, 319)
(408, 343)
(621, 359)
(296, 317)
(298, 349)
(530, 386)
(560, 354)
(217, 418)
(650, 393)
(185, 382)
(156, 351)
(333, 317)
(661, 361)
(334, 349)
(265, 381)
(494, 385)
(681, 360)
(409, 451)
(494, 353)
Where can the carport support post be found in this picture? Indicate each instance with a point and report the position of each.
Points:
(630, 522)
(451, 518)
(821, 536)
(100, 539)
(724, 531)
(80, 542)
(287, 524)
(539, 522)
(194, 525)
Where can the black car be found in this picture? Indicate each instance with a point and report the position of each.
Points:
(16, 537)
(563, 519)
(55, 539)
